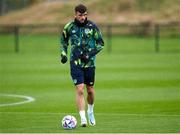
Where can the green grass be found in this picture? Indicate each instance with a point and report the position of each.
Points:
(137, 90)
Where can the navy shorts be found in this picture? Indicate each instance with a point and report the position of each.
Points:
(82, 75)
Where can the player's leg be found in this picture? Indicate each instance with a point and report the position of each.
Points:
(90, 94)
(81, 103)
(89, 81)
(77, 75)
(90, 99)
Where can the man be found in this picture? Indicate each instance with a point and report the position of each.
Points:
(86, 41)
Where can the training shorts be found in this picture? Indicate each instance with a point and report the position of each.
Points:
(82, 75)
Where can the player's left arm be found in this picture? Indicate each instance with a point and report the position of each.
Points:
(99, 43)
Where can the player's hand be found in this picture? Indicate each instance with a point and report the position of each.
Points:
(63, 59)
(85, 58)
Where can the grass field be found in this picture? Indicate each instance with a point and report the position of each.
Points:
(137, 90)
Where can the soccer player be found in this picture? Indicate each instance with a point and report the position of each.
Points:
(86, 41)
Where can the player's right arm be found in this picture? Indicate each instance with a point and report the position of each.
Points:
(65, 42)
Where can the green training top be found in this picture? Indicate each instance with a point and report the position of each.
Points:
(84, 39)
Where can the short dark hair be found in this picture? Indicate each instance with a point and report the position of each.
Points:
(80, 8)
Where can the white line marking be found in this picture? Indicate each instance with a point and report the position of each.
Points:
(27, 99)
(100, 114)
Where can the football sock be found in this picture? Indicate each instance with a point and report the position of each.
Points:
(90, 108)
(82, 115)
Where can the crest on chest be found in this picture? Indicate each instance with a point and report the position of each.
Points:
(88, 31)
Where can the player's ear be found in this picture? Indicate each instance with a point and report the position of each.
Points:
(75, 14)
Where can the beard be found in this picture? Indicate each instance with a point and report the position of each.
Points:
(80, 24)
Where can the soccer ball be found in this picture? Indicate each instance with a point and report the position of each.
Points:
(69, 122)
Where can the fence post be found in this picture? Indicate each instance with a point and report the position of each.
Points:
(16, 36)
(109, 38)
(156, 32)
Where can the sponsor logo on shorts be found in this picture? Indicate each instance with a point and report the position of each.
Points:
(91, 83)
(75, 81)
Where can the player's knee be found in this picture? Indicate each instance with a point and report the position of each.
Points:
(80, 92)
(80, 89)
(90, 90)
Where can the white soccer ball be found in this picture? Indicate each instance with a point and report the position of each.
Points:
(69, 122)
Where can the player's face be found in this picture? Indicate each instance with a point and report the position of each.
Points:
(81, 16)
